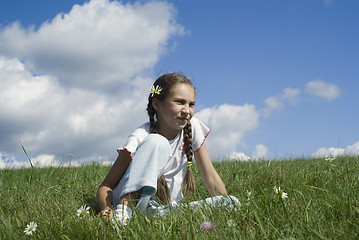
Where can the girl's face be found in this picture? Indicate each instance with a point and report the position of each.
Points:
(176, 110)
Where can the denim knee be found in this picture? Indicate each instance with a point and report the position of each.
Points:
(156, 141)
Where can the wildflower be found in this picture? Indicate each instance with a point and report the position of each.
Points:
(207, 225)
(231, 223)
(155, 90)
(82, 211)
(329, 159)
(280, 192)
(249, 195)
(249, 198)
(30, 228)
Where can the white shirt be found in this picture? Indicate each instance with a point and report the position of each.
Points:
(175, 169)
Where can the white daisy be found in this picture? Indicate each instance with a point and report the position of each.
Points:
(83, 211)
(30, 228)
(280, 192)
(155, 90)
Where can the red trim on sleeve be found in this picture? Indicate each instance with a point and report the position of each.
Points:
(203, 141)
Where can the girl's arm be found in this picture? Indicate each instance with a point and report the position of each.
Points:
(104, 192)
(210, 177)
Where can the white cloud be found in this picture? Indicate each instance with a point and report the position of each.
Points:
(82, 78)
(44, 116)
(90, 67)
(260, 152)
(352, 150)
(99, 44)
(238, 156)
(229, 124)
(276, 103)
(329, 152)
(322, 89)
(290, 95)
(46, 160)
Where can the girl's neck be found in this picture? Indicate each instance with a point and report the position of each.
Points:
(167, 133)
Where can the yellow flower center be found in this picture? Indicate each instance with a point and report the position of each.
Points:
(30, 228)
(82, 213)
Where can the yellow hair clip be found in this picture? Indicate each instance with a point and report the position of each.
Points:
(189, 164)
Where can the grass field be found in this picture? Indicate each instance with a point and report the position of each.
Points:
(322, 203)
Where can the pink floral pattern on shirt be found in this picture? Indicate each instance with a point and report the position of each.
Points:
(181, 147)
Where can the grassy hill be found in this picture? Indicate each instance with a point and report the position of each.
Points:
(322, 203)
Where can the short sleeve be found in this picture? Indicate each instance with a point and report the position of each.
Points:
(199, 133)
(135, 139)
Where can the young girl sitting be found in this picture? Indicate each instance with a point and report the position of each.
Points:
(153, 168)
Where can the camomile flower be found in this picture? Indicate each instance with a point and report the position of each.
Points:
(155, 90)
(83, 211)
(30, 228)
(280, 192)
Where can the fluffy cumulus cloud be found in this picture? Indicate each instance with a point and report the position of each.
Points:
(276, 103)
(260, 152)
(81, 78)
(73, 85)
(46, 117)
(46, 160)
(229, 123)
(101, 44)
(319, 88)
(352, 150)
(238, 156)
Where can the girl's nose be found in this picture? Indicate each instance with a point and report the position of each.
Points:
(185, 109)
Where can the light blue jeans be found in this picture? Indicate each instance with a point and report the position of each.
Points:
(224, 202)
(147, 165)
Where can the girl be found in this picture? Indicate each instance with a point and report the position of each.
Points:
(153, 167)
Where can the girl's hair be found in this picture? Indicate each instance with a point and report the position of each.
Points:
(167, 82)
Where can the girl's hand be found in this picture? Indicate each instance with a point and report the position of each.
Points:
(106, 213)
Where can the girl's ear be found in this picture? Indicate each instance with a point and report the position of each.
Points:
(156, 104)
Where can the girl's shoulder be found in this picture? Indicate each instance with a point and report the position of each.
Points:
(135, 138)
(198, 125)
(199, 133)
(195, 121)
(142, 131)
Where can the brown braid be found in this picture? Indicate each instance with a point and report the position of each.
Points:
(151, 113)
(167, 82)
(189, 183)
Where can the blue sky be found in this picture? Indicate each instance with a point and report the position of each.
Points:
(275, 79)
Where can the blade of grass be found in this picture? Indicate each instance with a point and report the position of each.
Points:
(27, 155)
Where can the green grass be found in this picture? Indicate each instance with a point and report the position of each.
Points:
(322, 203)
